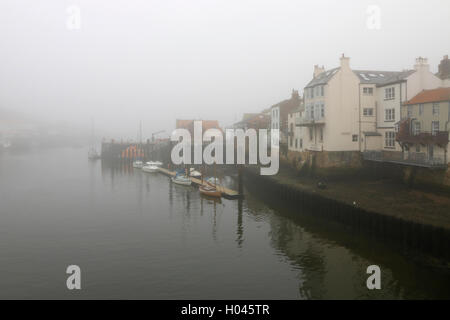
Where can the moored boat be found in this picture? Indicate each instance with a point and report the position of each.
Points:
(182, 180)
(210, 191)
(154, 163)
(138, 164)
(93, 154)
(194, 173)
(150, 169)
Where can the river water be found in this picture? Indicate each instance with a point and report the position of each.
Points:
(137, 235)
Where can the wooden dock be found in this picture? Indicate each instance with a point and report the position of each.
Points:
(227, 193)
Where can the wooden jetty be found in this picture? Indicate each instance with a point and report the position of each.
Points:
(227, 193)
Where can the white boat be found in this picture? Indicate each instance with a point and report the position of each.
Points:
(138, 164)
(150, 169)
(194, 173)
(212, 180)
(93, 154)
(183, 180)
(154, 163)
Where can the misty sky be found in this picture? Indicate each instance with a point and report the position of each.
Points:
(156, 61)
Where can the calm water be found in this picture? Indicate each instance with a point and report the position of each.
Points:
(136, 235)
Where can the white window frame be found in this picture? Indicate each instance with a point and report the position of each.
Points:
(389, 139)
(416, 128)
(389, 114)
(436, 107)
(389, 93)
(434, 130)
(368, 91)
(421, 108)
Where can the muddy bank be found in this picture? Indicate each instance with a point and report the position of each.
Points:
(414, 218)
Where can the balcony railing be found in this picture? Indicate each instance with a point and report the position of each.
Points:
(406, 135)
(411, 158)
(308, 121)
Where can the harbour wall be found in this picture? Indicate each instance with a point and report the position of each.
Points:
(409, 235)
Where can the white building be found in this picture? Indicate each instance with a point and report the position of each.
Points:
(295, 136)
(391, 90)
(357, 110)
(330, 121)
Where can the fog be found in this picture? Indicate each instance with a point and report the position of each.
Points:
(156, 61)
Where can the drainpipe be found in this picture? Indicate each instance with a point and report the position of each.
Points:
(359, 116)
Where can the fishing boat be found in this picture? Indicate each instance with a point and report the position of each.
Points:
(182, 180)
(138, 164)
(150, 169)
(210, 191)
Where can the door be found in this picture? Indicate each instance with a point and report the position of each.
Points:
(430, 152)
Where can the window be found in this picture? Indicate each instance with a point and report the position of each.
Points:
(301, 143)
(389, 114)
(296, 143)
(416, 128)
(389, 93)
(354, 137)
(417, 147)
(410, 111)
(321, 134)
(434, 127)
(311, 109)
(310, 134)
(421, 109)
(368, 91)
(389, 139)
(368, 112)
(322, 91)
(435, 108)
(322, 110)
(312, 92)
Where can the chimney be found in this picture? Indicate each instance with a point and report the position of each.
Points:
(318, 70)
(422, 64)
(294, 95)
(345, 62)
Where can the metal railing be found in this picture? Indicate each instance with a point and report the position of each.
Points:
(411, 158)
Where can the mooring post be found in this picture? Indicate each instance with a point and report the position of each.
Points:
(240, 181)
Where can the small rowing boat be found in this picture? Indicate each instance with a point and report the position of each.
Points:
(210, 191)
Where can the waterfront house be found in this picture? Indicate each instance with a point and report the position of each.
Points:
(330, 120)
(295, 136)
(279, 115)
(424, 129)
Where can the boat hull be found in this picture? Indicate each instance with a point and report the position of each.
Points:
(210, 192)
(150, 169)
(183, 182)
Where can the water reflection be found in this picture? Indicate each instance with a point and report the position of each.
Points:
(159, 240)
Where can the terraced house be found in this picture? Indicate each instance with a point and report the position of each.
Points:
(348, 110)
(424, 129)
